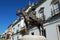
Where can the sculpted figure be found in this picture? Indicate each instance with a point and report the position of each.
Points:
(31, 19)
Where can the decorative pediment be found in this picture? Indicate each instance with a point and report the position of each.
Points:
(41, 10)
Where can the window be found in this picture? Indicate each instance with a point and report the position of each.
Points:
(32, 33)
(55, 7)
(41, 11)
(23, 32)
(17, 31)
(18, 25)
(45, 32)
(8, 36)
(59, 28)
(54, 1)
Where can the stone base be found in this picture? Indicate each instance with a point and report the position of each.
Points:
(33, 37)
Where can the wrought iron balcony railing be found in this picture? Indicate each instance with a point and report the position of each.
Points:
(55, 11)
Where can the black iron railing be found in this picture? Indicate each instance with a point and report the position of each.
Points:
(55, 11)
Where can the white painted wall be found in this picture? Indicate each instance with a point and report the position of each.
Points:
(35, 30)
(47, 9)
(52, 31)
(15, 28)
(20, 23)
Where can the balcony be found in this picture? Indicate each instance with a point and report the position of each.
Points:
(56, 7)
(55, 12)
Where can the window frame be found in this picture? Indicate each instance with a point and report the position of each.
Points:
(41, 11)
(55, 11)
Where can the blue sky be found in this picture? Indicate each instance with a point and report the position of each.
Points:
(8, 10)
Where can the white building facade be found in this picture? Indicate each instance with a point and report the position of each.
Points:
(18, 25)
(49, 11)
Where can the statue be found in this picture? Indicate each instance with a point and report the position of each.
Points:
(31, 19)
